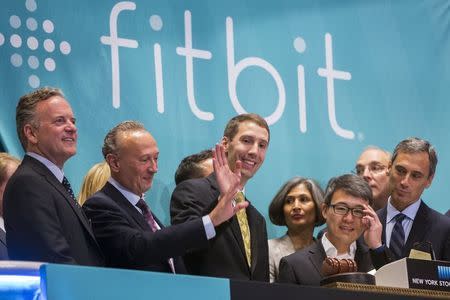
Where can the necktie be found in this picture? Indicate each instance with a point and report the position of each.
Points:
(148, 216)
(245, 229)
(397, 236)
(69, 190)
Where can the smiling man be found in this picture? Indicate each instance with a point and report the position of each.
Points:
(129, 234)
(407, 219)
(43, 220)
(348, 215)
(240, 249)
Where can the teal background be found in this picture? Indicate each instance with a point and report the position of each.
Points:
(396, 51)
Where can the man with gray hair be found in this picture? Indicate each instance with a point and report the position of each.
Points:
(43, 220)
(406, 219)
(128, 232)
(372, 165)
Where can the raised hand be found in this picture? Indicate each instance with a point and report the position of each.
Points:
(228, 182)
(373, 228)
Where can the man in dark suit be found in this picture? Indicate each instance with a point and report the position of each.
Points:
(43, 220)
(348, 213)
(8, 165)
(240, 249)
(411, 171)
(128, 233)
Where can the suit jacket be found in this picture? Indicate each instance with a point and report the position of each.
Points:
(304, 266)
(43, 223)
(3, 250)
(428, 225)
(127, 239)
(225, 256)
(278, 248)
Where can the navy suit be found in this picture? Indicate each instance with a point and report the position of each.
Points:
(428, 225)
(225, 256)
(43, 222)
(127, 239)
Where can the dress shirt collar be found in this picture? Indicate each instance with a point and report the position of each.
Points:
(59, 174)
(410, 211)
(130, 196)
(331, 251)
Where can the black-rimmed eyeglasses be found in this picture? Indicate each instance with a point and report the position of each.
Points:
(343, 210)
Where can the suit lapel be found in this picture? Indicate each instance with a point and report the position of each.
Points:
(253, 224)
(418, 229)
(382, 215)
(363, 262)
(234, 225)
(317, 256)
(53, 181)
(123, 202)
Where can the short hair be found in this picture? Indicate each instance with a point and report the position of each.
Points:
(350, 184)
(94, 180)
(110, 142)
(6, 160)
(26, 110)
(414, 145)
(232, 127)
(190, 168)
(276, 213)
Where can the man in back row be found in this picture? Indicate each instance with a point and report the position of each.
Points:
(240, 249)
(372, 165)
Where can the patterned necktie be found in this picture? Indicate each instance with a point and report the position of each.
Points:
(245, 229)
(69, 190)
(397, 236)
(148, 216)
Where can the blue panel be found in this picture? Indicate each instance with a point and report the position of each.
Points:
(63, 282)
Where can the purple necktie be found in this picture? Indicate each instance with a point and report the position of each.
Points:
(148, 216)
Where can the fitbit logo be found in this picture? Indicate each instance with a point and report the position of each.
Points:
(234, 67)
(32, 43)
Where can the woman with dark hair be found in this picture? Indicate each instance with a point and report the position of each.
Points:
(297, 206)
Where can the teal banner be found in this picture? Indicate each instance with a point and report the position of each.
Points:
(330, 77)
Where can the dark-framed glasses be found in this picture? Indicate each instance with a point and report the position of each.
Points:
(343, 210)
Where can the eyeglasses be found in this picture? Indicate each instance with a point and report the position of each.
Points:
(373, 169)
(343, 210)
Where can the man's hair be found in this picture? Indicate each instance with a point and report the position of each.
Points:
(276, 213)
(190, 168)
(415, 145)
(26, 110)
(6, 160)
(352, 185)
(110, 142)
(232, 127)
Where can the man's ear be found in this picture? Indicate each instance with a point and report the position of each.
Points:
(225, 142)
(30, 133)
(388, 170)
(113, 162)
(324, 211)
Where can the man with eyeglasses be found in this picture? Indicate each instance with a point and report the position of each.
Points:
(406, 219)
(372, 166)
(348, 215)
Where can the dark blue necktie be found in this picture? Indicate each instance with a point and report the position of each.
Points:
(397, 237)
(69, 190)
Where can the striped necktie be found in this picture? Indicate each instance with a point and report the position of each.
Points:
(397, 237)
